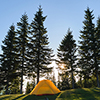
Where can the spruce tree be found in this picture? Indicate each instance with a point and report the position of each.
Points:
(66, 55)
(97, 54)
(84, 72)
(28, 88)
(14, 88)
(40, 52)
(1, 78)
(22, 32)
(89, 46)
(85, 62)
(8, 58)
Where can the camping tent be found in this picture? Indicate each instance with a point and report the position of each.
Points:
(45, 87)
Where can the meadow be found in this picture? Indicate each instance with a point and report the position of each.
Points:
(72, 94)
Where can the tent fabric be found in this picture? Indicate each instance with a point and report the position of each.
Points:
(45, 87)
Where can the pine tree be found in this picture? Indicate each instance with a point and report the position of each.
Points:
(66, 54)
(85, 71)
(23, 38)
(28, 88)
(8, 58)
(88, 46)
(1, 78)
(97, 54)
(40, 52)
(14, 88)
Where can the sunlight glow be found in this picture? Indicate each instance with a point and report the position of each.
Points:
(62, 66)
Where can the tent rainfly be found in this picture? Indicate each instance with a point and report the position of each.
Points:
(45, 87)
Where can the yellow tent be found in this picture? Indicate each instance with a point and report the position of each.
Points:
(45, 87)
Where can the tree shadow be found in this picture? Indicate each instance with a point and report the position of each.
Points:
(96, 91)
(30, 97)
(19, 97)
(34, 97)
(5, 97)
(85, 95)
(78, 94)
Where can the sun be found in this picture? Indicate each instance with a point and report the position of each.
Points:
(62, 66)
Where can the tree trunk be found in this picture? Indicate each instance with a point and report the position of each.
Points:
(7, 86)
(85, 83)
(72, 80)
(98, 84)
(38, 61)
(37, 75)
(21, 83)
(81, 82)
(21, 87)
(96, 65)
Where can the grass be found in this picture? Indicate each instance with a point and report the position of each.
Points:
(26, 97)
(80, 94)
(73, 94)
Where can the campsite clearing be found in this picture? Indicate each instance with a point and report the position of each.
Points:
(73, 94)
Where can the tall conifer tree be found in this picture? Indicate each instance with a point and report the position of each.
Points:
(1, 76)
(85, 61)
(97, 54)
(89, 47)
(23, 31)
(8, 58)
(40, 52)
(66, 54)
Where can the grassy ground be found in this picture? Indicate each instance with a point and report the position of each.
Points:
(80, 94)
(73, 94)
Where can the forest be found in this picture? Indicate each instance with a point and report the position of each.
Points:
(26, 52)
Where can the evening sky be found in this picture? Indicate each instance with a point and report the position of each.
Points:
(61, 15)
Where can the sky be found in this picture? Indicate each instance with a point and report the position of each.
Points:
(61, 15)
